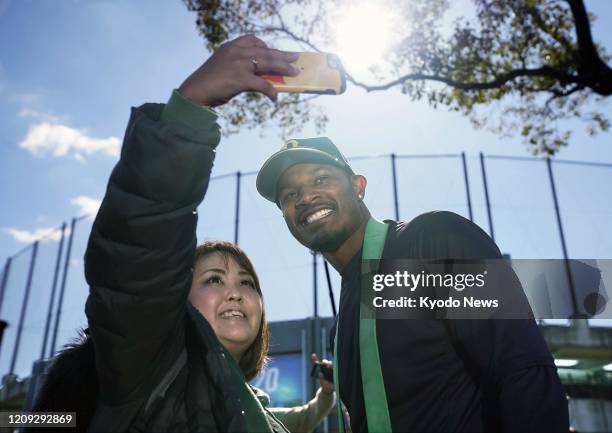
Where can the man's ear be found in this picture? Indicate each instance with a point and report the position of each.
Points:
(359, 185)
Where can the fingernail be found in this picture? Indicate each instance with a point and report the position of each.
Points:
(293, 56)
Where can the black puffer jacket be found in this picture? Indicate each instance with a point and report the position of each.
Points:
(160, 366)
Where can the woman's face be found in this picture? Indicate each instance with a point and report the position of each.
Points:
(226, 296)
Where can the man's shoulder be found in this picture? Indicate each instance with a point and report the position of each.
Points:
(445, 233)
(433, 221)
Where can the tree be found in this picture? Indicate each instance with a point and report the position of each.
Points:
(515, 66)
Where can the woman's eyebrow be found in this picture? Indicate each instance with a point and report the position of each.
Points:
(218, 270)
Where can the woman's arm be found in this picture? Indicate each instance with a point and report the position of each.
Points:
(305, 418)
(141, 249)
(140, 252)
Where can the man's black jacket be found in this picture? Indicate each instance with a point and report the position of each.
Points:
(450, 375)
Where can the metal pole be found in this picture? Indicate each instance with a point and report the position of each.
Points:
(394, 176)
(486, 191)
(304, 364)
(329, 287)
(60, 301)
(53, 289)
(315, 287)
(24, 307)
(3, 325)
(315, 342)
(5, 274)
(568, 269)
(323, 352)
(237, 220)
(467, 186)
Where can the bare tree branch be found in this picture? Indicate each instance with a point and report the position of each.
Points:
(285, 30)
(590, 63)
(562, 94)
(544, 71)
(583, 31)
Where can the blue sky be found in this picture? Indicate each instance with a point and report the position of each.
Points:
(71, 70)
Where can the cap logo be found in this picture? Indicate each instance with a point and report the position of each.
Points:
(291, 144)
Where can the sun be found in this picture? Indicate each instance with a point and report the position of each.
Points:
(363, 35)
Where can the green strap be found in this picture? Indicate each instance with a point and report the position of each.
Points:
(374, 395)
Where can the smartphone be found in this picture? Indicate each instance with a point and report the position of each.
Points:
(318, 367)
(319, 73)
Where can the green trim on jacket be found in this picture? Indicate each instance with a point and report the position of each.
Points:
(181, 110)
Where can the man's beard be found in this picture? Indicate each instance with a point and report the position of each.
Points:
(330, 242)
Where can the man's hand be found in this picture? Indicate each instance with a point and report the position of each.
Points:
(237, 67)
(326, 386)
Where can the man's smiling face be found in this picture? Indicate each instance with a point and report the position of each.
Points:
(320, 205)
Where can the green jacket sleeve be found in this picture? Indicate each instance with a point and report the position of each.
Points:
(141, 248)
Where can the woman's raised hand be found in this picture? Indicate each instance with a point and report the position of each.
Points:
(236, 67)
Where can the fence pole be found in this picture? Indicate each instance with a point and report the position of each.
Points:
(53, 290)
(394, 176)
(3, 325)
(315, 285)
(467, 186)
(5, 274)
(568, 268)
(60, 301)
(486, 192)
(237, 219)
(24, 307)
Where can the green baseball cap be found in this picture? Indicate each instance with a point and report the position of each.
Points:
(319, 150)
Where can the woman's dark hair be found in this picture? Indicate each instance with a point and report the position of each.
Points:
(255, 357)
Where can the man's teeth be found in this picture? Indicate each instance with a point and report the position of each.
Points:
(318, 215)
(232, 313)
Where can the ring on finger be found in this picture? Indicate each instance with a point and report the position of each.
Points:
(254, 62)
